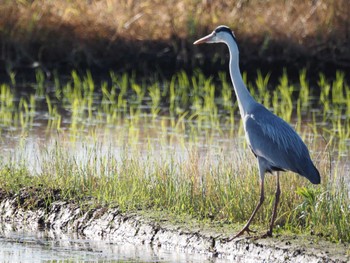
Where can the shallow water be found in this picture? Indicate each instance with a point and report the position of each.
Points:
(19, 246)
(151, 139)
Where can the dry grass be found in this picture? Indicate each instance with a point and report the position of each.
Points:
(94, 32)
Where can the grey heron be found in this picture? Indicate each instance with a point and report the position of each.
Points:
(274, 143)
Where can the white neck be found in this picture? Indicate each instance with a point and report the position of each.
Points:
(245, 100)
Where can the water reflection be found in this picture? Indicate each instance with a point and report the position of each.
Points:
(45, 246)
(150, 138)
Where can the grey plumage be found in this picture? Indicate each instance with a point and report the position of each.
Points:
(273, 141)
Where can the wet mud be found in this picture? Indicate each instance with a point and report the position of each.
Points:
(135, 228)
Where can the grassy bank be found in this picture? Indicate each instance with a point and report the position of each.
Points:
(151, 34)
(208, 187)
(176, 145)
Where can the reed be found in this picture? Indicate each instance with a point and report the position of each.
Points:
(78, 31)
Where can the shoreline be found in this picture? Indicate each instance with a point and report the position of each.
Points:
(132, 227)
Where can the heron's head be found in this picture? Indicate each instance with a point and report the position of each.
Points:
(222, 34)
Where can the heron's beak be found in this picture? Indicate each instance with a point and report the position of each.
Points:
(206, 39)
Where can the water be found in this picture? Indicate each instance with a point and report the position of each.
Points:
(148, 138)
(45, 246)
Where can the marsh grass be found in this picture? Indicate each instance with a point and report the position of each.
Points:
(177, 145)
(215, 186)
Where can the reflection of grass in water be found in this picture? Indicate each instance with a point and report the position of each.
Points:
(206, 101)
(207, 182)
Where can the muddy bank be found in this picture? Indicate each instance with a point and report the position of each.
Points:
(134, 228)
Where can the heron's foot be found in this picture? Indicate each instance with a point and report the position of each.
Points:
(240, 233)
(244, 229)
(267, 234)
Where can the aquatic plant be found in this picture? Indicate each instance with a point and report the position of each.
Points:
(175, 145)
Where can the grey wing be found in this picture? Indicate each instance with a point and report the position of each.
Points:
(272, 139)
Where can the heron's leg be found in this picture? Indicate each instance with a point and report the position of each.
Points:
(277, 199)
(262, 198)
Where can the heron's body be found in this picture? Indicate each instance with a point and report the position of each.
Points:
(275, 144)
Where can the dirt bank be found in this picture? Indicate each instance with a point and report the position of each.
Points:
(102, 223)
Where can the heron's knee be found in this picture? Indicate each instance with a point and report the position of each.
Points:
(262, 198)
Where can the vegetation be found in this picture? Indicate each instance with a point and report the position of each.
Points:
(138, 34)
(177, 145)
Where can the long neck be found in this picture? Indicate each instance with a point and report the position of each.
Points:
(245, 100)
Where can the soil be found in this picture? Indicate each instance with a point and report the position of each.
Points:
(26, 212)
